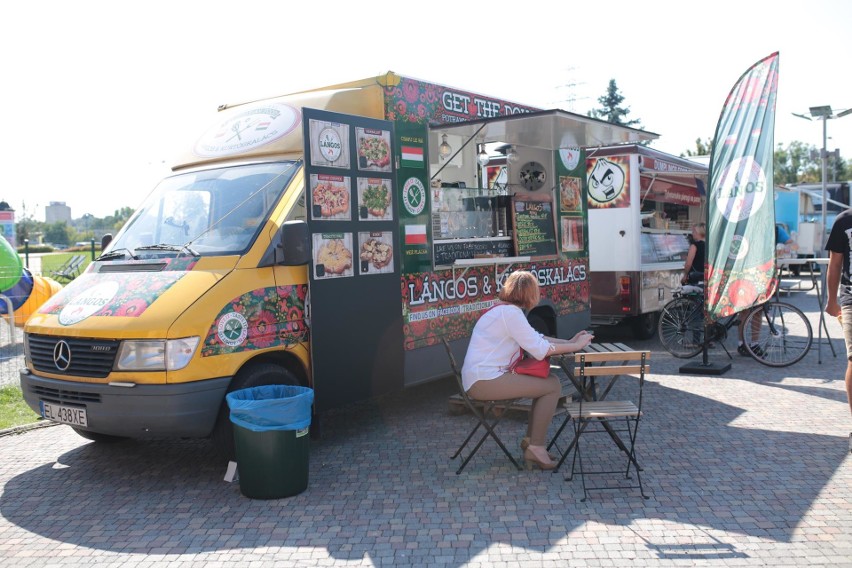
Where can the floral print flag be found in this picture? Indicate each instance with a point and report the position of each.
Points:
(740, 262)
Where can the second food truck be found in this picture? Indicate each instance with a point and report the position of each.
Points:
(328, 238)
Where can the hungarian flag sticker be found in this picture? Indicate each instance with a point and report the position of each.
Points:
(412, 157)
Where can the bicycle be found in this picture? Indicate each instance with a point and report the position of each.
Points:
(780, 333)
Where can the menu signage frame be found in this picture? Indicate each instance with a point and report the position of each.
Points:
(534, 222)
(354, 274)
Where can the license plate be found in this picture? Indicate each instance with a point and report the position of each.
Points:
(64, 414)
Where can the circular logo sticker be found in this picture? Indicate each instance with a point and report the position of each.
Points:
(570, 157)
(248, 129)
(742, 189)
(232, 329)
(739, 248)
(414, 196)
(90, 301)
(329, 144)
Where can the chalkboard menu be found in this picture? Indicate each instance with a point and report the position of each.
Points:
(535, 230)
(448, 251)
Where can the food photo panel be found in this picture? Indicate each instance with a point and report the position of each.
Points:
(332, 255)
(375, 252)
(569, 194)
(329, 144)
(373, 149)
(330, 199)
(572, 234)
(374, 199)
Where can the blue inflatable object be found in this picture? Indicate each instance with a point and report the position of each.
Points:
(271, 407)
(20, 292)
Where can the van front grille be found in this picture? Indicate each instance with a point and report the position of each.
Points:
(92, 358)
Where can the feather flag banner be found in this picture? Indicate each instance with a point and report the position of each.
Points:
(740, 265)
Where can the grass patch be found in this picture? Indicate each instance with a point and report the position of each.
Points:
(50, 263)
(13, 410)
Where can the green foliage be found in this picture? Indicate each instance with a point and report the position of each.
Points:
(795, 164)
(702, 148)
(58, 233)
(611, 109)
(13, 410)
(84, 228)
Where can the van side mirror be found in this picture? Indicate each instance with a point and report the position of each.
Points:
(105, 241)
(295, 243)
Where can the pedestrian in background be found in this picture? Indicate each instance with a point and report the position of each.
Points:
(839, 286)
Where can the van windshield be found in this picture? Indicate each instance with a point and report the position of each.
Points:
(203, 213)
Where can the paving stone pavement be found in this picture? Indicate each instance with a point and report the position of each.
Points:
(751, 468)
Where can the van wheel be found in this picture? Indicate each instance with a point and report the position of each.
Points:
(98, 437)
(257, 375)
(644, 326)
(539, 324)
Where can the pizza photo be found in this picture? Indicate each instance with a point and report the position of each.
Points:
(330, 198)
(374, 198)
(373, 149)
(377, 252)
(334, 257)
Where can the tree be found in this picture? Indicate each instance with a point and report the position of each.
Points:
(702, 148)
(58, 233)
(26, 227)
(611, 109)
(796, 163)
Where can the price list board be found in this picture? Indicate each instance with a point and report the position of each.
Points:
(535, 228)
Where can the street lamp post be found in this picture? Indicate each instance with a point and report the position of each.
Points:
(824, 113)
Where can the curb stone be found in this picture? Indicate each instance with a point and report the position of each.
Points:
(27, 427)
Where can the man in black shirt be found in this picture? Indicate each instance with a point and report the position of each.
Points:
(839, 283)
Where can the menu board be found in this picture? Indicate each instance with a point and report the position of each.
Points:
(355, 265)
(535, 231)
(448, 251)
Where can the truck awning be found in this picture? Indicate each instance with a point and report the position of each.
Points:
(547, 129)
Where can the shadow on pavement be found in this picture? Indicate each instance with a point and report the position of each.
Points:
(382, 486)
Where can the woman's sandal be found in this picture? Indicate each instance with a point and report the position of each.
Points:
(530, 459)
(525, 443)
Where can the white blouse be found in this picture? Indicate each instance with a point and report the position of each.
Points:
(494, 344)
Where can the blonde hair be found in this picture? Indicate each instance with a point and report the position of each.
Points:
(521, 289)
(701, 229)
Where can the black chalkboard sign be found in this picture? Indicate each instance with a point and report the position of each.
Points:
(535, 230)
(448, 251)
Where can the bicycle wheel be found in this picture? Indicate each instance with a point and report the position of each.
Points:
(681, 327)
(780, 334)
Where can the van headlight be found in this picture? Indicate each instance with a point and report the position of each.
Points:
(155, 355)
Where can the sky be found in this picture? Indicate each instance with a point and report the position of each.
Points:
(99, 97)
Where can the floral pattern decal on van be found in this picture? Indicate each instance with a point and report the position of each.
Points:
(436, 306)
(134, 293)
(260, 319)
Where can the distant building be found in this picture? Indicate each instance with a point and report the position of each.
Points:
(57, 212)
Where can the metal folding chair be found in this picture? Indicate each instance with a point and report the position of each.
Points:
(488, 415)
(584, 413)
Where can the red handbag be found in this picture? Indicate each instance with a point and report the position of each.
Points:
(531, 366)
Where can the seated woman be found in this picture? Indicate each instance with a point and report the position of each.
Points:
(494, 345)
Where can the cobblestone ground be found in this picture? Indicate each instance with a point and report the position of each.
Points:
(750, 468)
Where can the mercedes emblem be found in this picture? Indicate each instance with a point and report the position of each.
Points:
(62, 355)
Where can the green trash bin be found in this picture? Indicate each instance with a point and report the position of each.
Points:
(271, 425)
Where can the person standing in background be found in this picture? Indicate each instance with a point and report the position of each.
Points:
(693, 268)
(839, 287)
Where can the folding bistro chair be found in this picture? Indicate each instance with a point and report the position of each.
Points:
(584, 413)
(484, 411)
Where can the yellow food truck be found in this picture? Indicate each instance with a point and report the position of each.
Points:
(328, 238)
